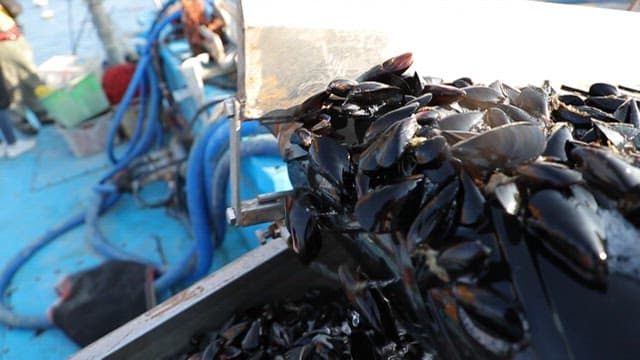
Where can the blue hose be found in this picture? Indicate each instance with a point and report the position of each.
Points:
(202, 246)
(106, 195)
(252, 146)
(95, 237)
(209, 145)
(141, 67)
(195, 197)
(142, 112)
(215, 147)
(149, 133)
(7, 317)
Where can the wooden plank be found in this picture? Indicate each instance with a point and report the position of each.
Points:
(262, 275)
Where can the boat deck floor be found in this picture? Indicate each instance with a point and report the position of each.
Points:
(45, 187)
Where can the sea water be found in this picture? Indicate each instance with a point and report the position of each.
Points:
(70, 31)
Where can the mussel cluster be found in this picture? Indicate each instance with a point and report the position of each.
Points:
(320, 325)
(489, 221)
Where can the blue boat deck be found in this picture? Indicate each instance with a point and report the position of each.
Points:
(46, 186)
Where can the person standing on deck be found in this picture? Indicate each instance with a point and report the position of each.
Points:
(13, 146)
(16, 58)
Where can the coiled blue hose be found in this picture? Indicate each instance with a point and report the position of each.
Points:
(202, 247)
(142, 66)
(216, 137)
(147, 138)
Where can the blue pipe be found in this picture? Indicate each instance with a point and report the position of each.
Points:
(148, 137)
(215, 147)
(94, 235)
(7, 317)
(195, 197)
(142, 112)
(252, 146)
(210, 144)
(176, 272)
(123, 106)
(202, 246)
(143, 63)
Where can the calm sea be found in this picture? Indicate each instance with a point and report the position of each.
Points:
(71, 26)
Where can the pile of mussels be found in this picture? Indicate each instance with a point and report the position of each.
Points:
(487, 221)
(320, 325)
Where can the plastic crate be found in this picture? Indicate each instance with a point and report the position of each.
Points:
(59, 70)
(80, 101)
(88, 138)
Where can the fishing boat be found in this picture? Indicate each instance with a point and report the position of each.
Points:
(204, 155)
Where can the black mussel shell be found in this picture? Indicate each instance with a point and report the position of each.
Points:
(516, 114)
(499, 316)
(603, 89)
(341, 87)
(389, 147)
(331, 159)
(443, 94)
(560, 134)
(384, 121)
(608, 172)
(463, 257)
(462, 122)
(306, 237)
(480, 97)
(453, 137)
(372, 93)
(571, 231)
(422, 100)
(430, 149)
(570, 99)
(570, 114)
(544, 173)
(534, 101)
(379, 210)
(503, 147)
(472, 206)
(495, 117)
(604, 103)
(431, 215)
(628, 113)
(395, 65)
(596, 113)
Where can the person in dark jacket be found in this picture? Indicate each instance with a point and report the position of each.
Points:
(13, 147)
(16, 58)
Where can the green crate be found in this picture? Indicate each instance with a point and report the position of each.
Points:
(80, 101)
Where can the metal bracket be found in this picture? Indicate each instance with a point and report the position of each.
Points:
(233, 111)
(266, 207)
